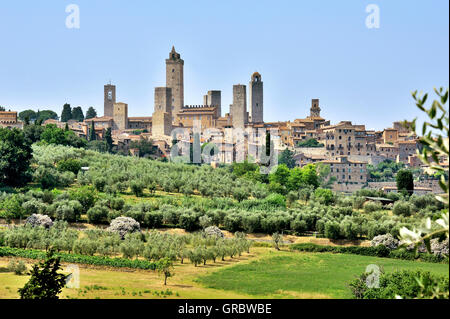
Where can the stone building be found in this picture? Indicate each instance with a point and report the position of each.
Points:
(109, 100)
(256, 104)
(390, 136)
(388, 151)
(162, 116)
(347, 171)
(120, 116)
(214, 99)
(315, 109)
(238, 110)
(140, 123)
(175, 81)
(339, 139)
(406, 149)
(8, 119)
(203, 114)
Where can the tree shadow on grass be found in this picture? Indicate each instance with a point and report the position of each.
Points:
(4, 270)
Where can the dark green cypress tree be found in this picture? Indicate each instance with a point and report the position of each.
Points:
(92, 136)
(66, 114)
(108, 139)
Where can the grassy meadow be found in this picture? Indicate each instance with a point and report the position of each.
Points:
(264, 273)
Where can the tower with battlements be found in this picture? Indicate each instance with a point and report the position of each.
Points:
(256, 91)
(214, 99)
(175, 81)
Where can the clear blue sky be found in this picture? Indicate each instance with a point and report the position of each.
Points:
(303, 50)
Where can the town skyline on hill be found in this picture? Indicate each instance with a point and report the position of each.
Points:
(300, 59)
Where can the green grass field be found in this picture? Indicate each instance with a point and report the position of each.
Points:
(305, 275)
(264, 273)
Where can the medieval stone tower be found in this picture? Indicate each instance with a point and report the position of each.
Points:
(214, 98)
(175, 81)
(110, 99)
(162, 116)
(315, 109)
(120, 116)
(238, 109)
(256, 112)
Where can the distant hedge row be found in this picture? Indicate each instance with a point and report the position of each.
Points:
(378, 251)
(80, 259)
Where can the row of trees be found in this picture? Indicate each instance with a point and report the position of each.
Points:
(199, 248)
(76, 113)
(37, 117)
(350, 217)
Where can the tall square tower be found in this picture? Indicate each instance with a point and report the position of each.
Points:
(120, 116)
(162, 116)
(175, 81)
(256, 112)
(238, 109)
(109, 99)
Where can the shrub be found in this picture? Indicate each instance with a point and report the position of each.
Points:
(12, 208)
(406, 284)
(71, 165)
(276, 200)
(386, 240)
(153, 219)
(85, 195)
(370, 206)
(332, 230)
(97, 215)
(33, 206)
(137, 188)
(18, 267)
(324, 196)
(67, 210)
(80, 259)
(299, 226)
(358, 202)
(188, 221)
(402, 208)
(37, 220)
(123, 226)
(100, 183)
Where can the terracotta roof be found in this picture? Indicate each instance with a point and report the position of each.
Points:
(143, 118)
(100, 119)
